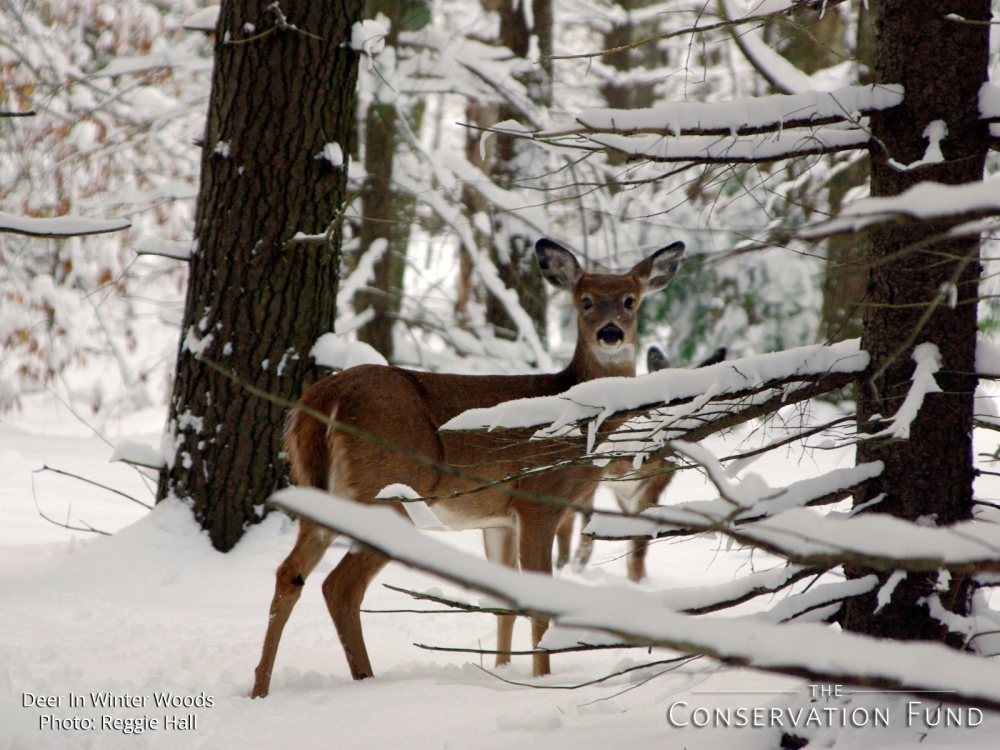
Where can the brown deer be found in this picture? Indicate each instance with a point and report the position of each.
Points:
(633, 495)
(389, 407)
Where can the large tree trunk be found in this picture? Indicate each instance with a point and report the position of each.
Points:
(928, 477)
(254, 304)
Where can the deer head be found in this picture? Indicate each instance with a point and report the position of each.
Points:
(607, 305)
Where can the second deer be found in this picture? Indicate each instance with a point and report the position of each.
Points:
(383, 409)
(633, 495)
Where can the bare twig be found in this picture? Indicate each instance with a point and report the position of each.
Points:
(96, 484)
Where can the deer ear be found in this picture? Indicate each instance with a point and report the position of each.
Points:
(559, 266)
(656, 360)
(659, 268)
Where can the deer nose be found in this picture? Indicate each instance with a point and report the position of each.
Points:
(611, 335)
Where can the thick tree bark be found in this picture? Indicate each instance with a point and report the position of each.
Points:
(255, 304)
(928, 478)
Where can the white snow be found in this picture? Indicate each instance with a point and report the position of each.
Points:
(196, 344)
(752, 148)
(205, 19)
(333, 154)
(989, 101)
(156, 609)
(631, 613)
(679, 118)
(330, 350)
(987, 357)
(804, 533)
(928, 359)
(925, 200)
(709, 514)
(605, 396)
(935, 132)
(60, 226)
(149, 244)
(142, 454)
(368, 36)
(885, 593)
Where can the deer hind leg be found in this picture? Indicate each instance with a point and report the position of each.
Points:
(649, 497)
(344, 589)
(637, 559)
(564, 539)
(585, 548)
(310, 546)
(501, 548)
(537, 529)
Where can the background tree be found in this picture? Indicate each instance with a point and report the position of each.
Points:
(280, 115)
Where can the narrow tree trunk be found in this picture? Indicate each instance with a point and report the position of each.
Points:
(927, 478)
(377, 201)
(511, 251)
(254, 304)
(845, 276)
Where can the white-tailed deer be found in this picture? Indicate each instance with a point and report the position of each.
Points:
(404, 408)
(633, 495)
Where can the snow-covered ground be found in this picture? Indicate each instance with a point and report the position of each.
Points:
(154, 609)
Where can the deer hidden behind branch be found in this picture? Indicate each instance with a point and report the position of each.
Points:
(635, 491)
(383, 429)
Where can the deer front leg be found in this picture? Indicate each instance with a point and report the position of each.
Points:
(344, 589)
(585, 547)
(537, 528)
(309, 548)
(501, 548)
(564, 539)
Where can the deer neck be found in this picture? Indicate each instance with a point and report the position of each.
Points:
(593, 361)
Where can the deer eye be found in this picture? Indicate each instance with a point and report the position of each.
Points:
(629, 302)
(586, 303)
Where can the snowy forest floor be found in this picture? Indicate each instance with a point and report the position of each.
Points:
(154, 609)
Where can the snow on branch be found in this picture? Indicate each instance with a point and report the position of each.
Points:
(777, 70)
(753, 149)
(924, 201)
(928, 359)
(752, 129)
(706, 515)
(875, 540)
(747, 116)
(60, 226)
(152, 245)
(818, 598)
(807, 650)
(802, 366)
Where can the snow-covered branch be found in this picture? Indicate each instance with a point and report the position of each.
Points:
(675, 404)
(60, 226)
(749, 116)
(925, 201)
(699, 516)
(807, 650)
(746, 130)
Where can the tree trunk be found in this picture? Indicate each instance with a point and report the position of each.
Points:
(254, 304)
(377, 216)
(385, 213)
(927, 478)
(511, 251)
(845, 278)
